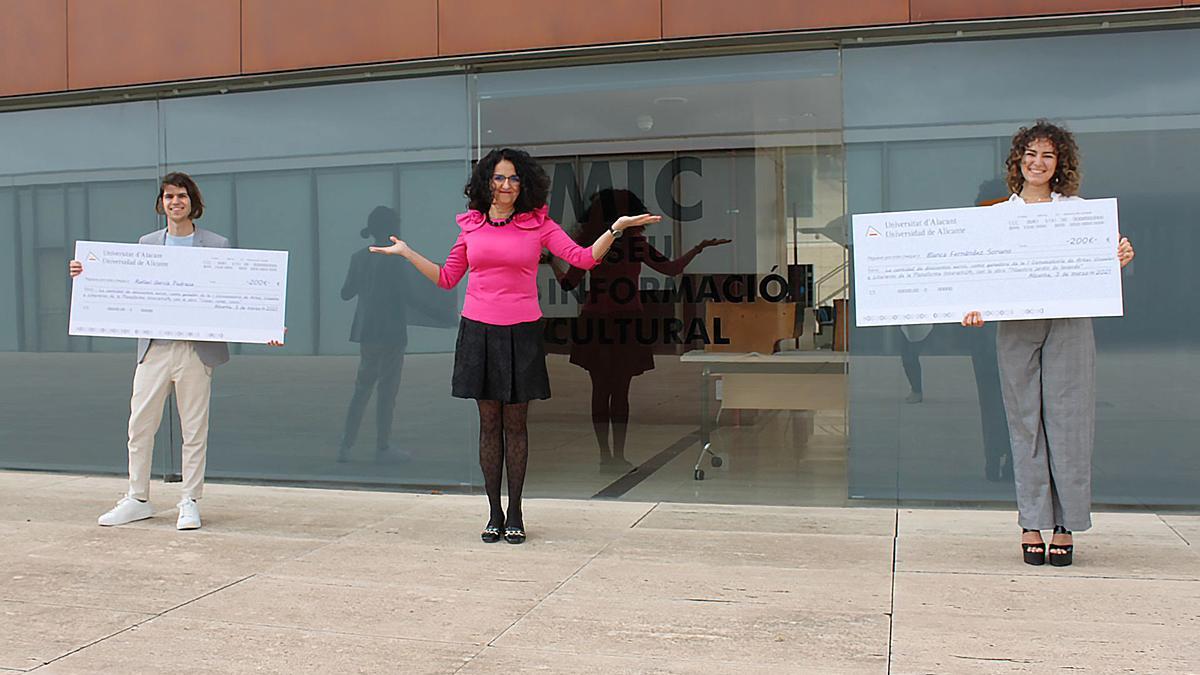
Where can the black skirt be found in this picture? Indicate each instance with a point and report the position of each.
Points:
(599, 346)
(500, 363)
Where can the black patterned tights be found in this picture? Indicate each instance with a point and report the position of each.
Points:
(504, 440)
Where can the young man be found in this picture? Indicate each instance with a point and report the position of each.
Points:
(186, 365)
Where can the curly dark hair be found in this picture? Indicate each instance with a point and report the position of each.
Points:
(1066, 171)
(181, 180)
(535, 184)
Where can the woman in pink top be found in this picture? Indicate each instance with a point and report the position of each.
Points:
(499, 360)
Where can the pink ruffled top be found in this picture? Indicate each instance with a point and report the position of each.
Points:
(503, 262)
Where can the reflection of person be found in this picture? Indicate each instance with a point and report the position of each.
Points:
(997, 454)
(910, 357)
(613, 363)
(385, 293)
(162, 364)
(1048, 371)
(499, 360)
(981, 343)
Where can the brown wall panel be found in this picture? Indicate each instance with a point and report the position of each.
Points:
(52, 45)
(290, 34)
(478, 26)
(116, 42)
(948, 10)
(692, 18)
(33, 46)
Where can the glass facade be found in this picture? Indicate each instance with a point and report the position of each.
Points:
(742, 150)
(304, 170)
(754, 161)
(1133, 102)
(60, 181)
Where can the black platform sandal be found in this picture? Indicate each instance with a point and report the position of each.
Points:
(1034, 554)
(491, 533)
(1061, 555)
(514, 535)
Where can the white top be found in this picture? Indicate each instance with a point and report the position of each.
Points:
(1054, 197)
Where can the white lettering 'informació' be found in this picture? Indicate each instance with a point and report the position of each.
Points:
(1009, 262)
(179, 293)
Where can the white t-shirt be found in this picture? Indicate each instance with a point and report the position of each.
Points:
(1054, 197)
(172, 240)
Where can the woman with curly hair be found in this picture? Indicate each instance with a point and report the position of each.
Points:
(499, 359)
(1048, 371)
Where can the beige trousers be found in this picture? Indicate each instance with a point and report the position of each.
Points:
(167, 364)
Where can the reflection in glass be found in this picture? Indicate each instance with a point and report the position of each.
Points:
(613, 338)
(941, 144)
(61, 181)
(387, 292)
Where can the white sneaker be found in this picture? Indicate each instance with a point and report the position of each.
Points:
(189, 515)
(126, 511)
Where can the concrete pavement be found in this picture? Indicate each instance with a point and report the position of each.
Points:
(303, 580)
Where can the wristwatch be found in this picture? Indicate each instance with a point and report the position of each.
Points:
(616, 234)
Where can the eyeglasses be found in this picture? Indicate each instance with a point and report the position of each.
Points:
(513, 180)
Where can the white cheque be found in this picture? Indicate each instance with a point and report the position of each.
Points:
(178, 292)
(1020, 261)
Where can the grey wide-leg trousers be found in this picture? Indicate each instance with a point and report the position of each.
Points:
(1048, 378)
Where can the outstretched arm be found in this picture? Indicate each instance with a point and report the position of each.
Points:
(659, 262)
(605, 241)
(444, 276)
(561, 245)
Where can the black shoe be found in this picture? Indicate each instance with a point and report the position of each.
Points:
(514, 535)
(491, 533)
(1061, 555)
(1034, 554)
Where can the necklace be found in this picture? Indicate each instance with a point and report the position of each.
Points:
(488, 218)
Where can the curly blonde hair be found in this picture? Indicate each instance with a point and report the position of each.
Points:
(1066, 172)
